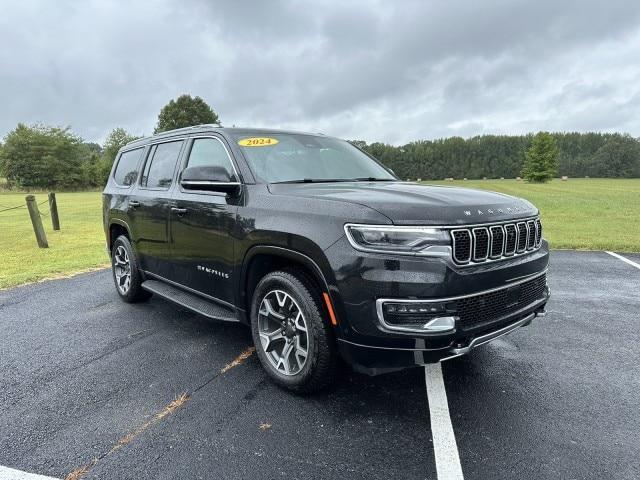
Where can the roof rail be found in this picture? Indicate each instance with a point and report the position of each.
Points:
(192, 127)
(177, 131)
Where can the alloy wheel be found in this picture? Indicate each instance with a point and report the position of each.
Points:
(283, 332)
(122, 269)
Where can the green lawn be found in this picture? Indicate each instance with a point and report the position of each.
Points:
(592, 214)
(79, 245)
(585, 213)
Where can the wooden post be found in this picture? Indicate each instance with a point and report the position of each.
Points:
(38, 229)
(53, 210)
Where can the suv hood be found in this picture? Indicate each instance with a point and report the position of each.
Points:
(407, 203)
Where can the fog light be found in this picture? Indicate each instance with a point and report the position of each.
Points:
(434, 317)
(413, 308)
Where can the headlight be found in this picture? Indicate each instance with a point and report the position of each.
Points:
(395, 239)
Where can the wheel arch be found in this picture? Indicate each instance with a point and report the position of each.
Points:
(262, 259)
(117, 227)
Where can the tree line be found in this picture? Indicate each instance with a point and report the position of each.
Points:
(40, 156)
(45, 157)
(494, 156)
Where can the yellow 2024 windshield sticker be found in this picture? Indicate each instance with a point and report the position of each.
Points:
(257, 142)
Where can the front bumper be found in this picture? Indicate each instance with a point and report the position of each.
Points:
(366, 282)
(375, 360)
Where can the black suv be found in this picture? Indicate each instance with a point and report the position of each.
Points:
(320, 249)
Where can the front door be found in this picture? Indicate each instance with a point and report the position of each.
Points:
(202, 226)
(149, 207)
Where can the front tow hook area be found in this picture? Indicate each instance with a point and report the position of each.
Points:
(459, 349)
(440, 325)
(541, 313)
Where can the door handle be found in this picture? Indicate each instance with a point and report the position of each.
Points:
(179, 211)
(134, 203)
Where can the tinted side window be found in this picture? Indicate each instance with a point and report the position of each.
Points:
(158, 172)
(209, 152)
(127, 168)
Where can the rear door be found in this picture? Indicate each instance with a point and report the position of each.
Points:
(122, 183)
(202, 225)
(149, 207)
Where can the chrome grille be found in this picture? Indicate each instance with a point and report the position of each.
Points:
(512, 238)
(481, 244)
(494, 242)
(497, 241)
(538, 232)
(461, 245)
(531, 235)
(522, 237)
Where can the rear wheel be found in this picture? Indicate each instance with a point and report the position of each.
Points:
(126, 273)
(292, 338)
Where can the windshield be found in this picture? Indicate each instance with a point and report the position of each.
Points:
(286, 157)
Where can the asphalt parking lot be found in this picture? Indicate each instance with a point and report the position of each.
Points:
(109, 390)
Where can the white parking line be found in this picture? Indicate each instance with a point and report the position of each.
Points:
(444, 441)
(11, 474)
(625, 260)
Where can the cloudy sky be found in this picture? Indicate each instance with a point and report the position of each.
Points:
(389, 71)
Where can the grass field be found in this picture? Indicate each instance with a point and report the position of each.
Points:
(78, 245)
(594, 214)
(585, 213)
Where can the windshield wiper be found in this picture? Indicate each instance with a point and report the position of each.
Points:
(316, 180)
(330, 180)
(373, 179)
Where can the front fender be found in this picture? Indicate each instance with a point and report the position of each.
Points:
(286, 246)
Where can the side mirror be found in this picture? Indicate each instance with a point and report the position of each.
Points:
(212, 179)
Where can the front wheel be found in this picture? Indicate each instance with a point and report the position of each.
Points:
(292, 338)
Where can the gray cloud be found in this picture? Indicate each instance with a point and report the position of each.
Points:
(389, 71)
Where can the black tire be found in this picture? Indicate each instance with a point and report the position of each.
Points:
(134, 292)
(318, 370)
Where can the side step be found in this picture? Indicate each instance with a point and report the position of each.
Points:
(189, 300)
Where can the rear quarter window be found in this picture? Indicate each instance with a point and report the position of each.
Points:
(127, 168)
